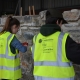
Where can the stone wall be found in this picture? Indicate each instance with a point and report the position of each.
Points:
(73, 28)
(30, 25)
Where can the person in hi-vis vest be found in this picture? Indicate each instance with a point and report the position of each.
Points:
(9, 48)
(54, 51)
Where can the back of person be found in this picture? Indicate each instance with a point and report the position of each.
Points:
(49, 51)
(9, 62)
(9, 49)
(50, 61)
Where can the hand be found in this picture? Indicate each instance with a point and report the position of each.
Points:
(25, 44)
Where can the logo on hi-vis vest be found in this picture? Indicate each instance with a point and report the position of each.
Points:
(1, 45)
(47, 45)
(40, 40)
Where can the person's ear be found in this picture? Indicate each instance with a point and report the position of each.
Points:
(61, 23)
(57, 22)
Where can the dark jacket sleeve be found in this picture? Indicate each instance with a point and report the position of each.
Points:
(73, 51)
(17, 45)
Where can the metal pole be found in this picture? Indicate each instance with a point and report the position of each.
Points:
(23, 7)
(16, 8)
(19, 6)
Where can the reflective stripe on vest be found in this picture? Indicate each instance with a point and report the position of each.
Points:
(33, 47)
(9, 68)
(8, 57)
(46, 78)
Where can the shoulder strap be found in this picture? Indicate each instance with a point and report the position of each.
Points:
(34, 39)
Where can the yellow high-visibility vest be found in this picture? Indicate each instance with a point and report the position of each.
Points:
(9, 62)
(50, 61)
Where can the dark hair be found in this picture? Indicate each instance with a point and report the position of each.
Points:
(52, 20)
(9, 23)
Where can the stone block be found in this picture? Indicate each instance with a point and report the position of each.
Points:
(31, 20)
(72, 15)
(28, 35)
(28, 19)
(34, 28)
(3, 20)
(73, 24)
(24, 27)
(35, 20)
(43, 14)
(1, 28)
(74, 31)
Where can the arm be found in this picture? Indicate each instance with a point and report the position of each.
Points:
(16, 44)
(73, 51)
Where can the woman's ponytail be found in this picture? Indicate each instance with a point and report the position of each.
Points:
(6, 26)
